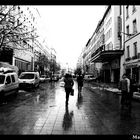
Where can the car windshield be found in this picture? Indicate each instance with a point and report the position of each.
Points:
(27, 76)
(2, 77)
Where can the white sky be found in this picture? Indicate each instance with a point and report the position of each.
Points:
(68, 28)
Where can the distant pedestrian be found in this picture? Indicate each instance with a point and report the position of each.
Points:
(132, 89)
(125, 90)
(68, 86)
(80, 80)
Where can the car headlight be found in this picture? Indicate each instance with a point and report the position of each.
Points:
(32, 81)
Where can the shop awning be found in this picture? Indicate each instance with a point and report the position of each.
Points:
(106, 56)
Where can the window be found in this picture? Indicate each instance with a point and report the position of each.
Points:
(133, 9)
(17, 21)
(120, 9)
(134, 26)
(14, 7)
(128, 53)
(8, 80)
(127, 12)
(27, 76)
(135, 48)
(2, 78)
(13, 78)
(127, 30)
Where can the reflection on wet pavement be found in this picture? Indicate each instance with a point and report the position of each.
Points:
(67, 120)
(44, 112)
(79, 102)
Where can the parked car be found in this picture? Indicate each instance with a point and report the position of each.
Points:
(42, 78)
(29, 80)
(89, 78)
(62, 82)
(55, 77)
(9, 83)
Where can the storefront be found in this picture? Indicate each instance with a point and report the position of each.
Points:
(22, 65)
(133, 70)
(111, 71)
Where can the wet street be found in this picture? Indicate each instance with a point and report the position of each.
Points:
(43, 111)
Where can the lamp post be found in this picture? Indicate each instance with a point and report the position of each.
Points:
(52, 62)
(67, 67)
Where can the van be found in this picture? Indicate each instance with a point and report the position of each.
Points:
(9, 83)
(29, 80)
(55, 77)
(89, 78)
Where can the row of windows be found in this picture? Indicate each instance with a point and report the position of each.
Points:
(134, 28)
(108, 23)
(107, 14)
(127, 10)
(135, 51)
(108, 34)
(109, 46)
(21, 65)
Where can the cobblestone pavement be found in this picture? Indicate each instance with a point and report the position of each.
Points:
(97, 112)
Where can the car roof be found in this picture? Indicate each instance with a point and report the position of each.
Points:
(29, 72)
(9, 73)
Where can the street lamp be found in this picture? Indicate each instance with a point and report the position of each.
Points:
(52, 62)
(67, 67)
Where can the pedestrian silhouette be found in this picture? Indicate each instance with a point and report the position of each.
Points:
(80, 83)
(132, 89)
(125, 90)
(68, 86)
(67, 120)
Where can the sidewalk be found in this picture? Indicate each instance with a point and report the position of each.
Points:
(107, 86)
(113, 88)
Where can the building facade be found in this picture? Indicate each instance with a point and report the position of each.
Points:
(24, 46)
(106, 47)
(132, 42)
(114, 46)
(24, 56)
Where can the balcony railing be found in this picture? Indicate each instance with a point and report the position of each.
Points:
(103, 55)
(100, 49)
(133, 58)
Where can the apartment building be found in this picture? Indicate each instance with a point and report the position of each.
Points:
(106, 46)
(24, 48)
(24, 58)
(86, 57)
(131, 64)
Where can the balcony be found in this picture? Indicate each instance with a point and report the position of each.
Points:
(133, 57)
(102, 55)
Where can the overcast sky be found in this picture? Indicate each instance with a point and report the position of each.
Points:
(68, 28)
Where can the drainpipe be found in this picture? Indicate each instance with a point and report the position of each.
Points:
(122, 59)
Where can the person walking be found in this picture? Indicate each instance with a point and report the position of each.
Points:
(132, 89)
(80, 80)
(68, 86)
(125, 90)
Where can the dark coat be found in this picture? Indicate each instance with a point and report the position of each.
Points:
(68, 82)
(80, 80)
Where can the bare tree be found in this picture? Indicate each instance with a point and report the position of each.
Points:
(14, 32)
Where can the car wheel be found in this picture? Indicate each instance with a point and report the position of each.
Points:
(2, 97)
(16, 92)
